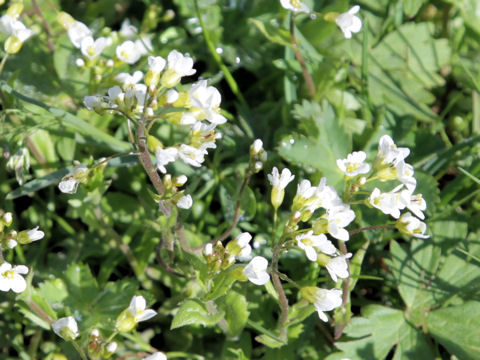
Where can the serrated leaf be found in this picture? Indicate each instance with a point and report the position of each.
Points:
(456, 328)
(194, 312)
(269, 341)
(327, 142)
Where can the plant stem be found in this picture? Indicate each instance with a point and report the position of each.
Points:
(352, 232)
(281, 293)
(300, 58)
(237, 210)
(146, 162)
(79, 350)
(2, 64)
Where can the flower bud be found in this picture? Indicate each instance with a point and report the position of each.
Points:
(153, 143)
(110, 349)
(277, 196)
(12, 45)
(66, 328)
(65, 20)
(7, 219)
(28, 236)
(125, 321)
(15, 10)
(180, 180)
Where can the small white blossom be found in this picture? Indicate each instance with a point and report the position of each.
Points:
(156, 356)
(77, 32)
(389, 153)
(191, 155)
(410, 225)
(322, 299)
(338, 217)
(7, 218)
(11, 26)
(178, 65)
(156, 64)
(354, 164)
(35, 234)
(165, 156)
(311, 243)
(349, 23)
(405, 174)
(127, 30)
(171, 96)
(256, 147)
(325, 196)
(256, 271)
(414, 203)
(280, 180)
(144, 45)
(111, 347)
(66, 328)
(337, 267)
(240, 246)
(208, 249)
(128, 52)
(205, 101)
(94, 102)
(389, 203)
(11, 279)
(295, 5)
(92, 48)
(127, 80)
(185, 202)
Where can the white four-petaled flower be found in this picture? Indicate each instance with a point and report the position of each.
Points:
(295, 6)
(337, 267)
(11, 279)
(354, 164)
(156, 356)
(256, 271)
(349, 23)
(311, 243)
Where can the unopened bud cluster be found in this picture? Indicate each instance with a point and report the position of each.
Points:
(16, 30)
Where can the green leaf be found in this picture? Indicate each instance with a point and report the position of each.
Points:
(38, 184)
(378, 330)
(411, 7)
(235, 307)
(456, 328)
(327, 141)
(272, 32)
(222, 282)
(194, 312)
(74, 123)
(414, 270)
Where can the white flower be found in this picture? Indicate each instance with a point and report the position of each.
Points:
(70, 182)
(127, 80)
(414, 203)
(156, 64)
(280, 181)
(11, 26)
(11, 279)
(205, 101)
(137, 309)
(178, 65)
(354, 164)
(256, 271)
(66, 328)
(77, 32)
(165, 156)
(389, 203)
(349, 23)
(322, 299)
(405, 173)
(325, 196)
(144, 45)
(295, 5)
(185, 202)
(111, 347)
(94, 102)
(208, 249)
(156, 356)
(240, 246)
(128, 52)
(410, 225)
(337, 267)
(388, 153)
(311, 243)
(127, 30)
(171, 96)
(35, 234)
(92, 48)
(338, 217)
(7, 218)
(191, 155)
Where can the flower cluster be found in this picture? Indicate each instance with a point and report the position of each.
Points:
(17, 32)
(11, 276)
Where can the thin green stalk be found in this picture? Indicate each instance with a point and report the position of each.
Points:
(2, 64)
(79, 350)
(228, 75)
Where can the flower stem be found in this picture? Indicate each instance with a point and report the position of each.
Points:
(2, 64)
(300, 58)
(79, 350)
